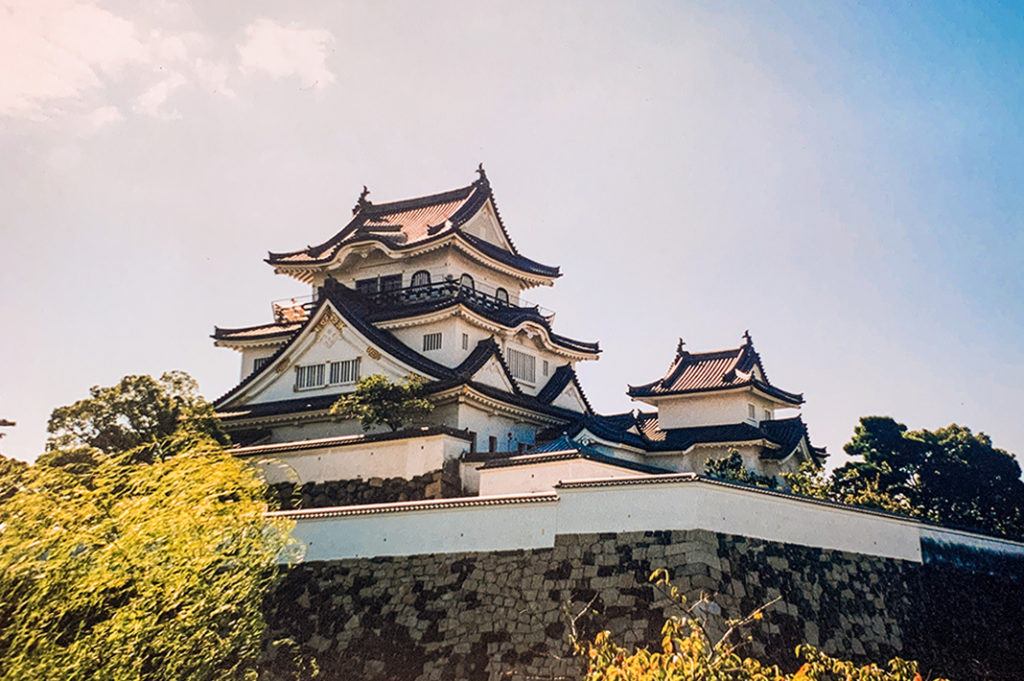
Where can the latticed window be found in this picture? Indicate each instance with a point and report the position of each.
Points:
(260, 362)
(432, 341)
(501, 295)
(522, 365)
(421, 278)
(311, 376)
(346, 371)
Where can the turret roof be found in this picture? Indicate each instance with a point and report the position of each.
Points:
(414, 222)
(696, 372)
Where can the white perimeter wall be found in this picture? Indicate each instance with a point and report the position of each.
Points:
(484, 524)
(388, 459)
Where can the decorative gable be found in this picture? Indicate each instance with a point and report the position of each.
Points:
(493, 374)
(484, 225)
(571, 399)
(327, 356)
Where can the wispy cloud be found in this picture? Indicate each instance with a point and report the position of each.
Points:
(74, 59)
(56, 50)
(287, 51)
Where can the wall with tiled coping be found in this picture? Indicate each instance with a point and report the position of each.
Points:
(475, 589)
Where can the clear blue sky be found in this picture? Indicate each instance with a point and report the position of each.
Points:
(843, 180)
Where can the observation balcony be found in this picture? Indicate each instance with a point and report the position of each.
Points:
(449, 290)
(298, 309)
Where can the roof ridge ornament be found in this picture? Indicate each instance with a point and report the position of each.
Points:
(362, 202)
(482, 173)
(681, 348)
(747, 338)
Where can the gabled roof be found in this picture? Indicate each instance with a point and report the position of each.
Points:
(352, 309)
(563, 376)
(784, 434)
(509, 317)
(415, 222)
(697, 372)
(351, 306)
(566, 449)
(640, 430)
(260, 332)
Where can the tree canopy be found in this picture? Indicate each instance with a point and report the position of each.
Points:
(138, 414)
(951, 475)
(379, 401)
(135, 569)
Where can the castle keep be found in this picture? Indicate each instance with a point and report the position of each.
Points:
(434, 287)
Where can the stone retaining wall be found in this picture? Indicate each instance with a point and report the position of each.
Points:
(433, 485)
(501, 615)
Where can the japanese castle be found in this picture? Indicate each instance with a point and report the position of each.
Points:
(432, 287)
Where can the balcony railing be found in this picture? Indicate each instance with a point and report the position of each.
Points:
(447, 290)
(297, 309)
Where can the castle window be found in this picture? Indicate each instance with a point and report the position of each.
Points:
(751, 412)
(492, 444)
(522, 365)
(465, 341)
(431, 341)
(544, 368)
(311, 376)
(421, 278)
(502, 296)
(346, 371)
(767, 415)
(392, 282)
(260, 362)
(466, 282)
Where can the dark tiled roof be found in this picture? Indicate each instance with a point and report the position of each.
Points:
(711, 371)
(256, 332)
(348, 440)
(640, 430)
(299, 404)
(412, 222)
(684, 438)
(565, 449)
(508, 317)
(611, 427)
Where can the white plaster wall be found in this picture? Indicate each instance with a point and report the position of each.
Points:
(445, 530)
(388, 459)
(625, 508)
(710, 409)
(450, 354)
(542, 477)
(730, 510)
(485, 424)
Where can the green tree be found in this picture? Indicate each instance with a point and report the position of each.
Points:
(140, 414)
(379, 401)
(951, 475)
(138, 551)
(140, 571)
(731, 467)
